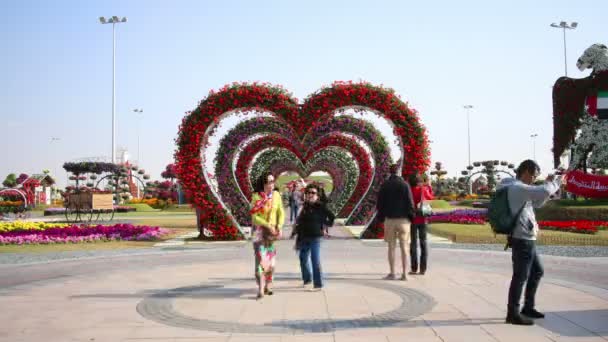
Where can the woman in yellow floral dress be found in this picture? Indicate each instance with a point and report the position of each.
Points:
(267, 218)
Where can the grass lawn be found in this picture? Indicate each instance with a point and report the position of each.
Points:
(465, 233)
(282, 180)
(154, 214)
(141, 207)
(182, 222)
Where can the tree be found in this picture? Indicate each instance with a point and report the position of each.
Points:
(169, 172)
(10, 180)
(22, 177)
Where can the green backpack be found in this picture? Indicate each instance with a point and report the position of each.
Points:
(500, 217)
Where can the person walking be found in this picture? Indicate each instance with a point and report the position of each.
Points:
(396, 210)
(528, 269)
(421, 192)
(268, 218)
(310, 228)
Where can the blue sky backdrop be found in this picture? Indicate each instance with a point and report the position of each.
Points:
(501, 57)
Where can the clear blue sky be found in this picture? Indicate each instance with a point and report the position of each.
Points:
(503, 58)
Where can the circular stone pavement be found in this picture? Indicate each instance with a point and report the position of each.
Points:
(167, 307)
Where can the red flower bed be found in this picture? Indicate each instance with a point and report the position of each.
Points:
(581, 226)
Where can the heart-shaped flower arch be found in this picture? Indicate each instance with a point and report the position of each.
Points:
(317, 139)
(319, 107)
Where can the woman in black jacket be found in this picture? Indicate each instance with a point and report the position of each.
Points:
(310, 227)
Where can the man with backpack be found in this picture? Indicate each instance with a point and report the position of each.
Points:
(527, 266)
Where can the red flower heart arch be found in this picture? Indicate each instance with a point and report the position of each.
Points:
(192, 136)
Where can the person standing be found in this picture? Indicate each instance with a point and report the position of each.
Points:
(310, 228)
(420, 192)
(268, 218)
(295, 202)
(527, 266)
(396, 209)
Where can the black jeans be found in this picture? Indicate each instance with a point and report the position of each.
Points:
(418, 233)
(527, 267)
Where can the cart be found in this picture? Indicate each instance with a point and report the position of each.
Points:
(89, 206)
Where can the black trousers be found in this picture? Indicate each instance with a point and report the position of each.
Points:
(418, 234)
(527, 270)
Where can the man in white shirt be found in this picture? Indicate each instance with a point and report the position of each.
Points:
(527, 266)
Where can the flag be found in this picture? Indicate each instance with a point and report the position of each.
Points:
(598, 105)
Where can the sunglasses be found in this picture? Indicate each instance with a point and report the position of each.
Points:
(311, 192)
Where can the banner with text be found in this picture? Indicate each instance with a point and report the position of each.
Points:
(587, 185)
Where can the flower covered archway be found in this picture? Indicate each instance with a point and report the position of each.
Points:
(313, 124)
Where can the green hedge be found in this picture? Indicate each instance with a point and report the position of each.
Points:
(559, 213)
(581, 203)
(141, 207)
(474, 233)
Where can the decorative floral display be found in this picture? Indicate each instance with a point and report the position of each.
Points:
(384, 101)
(569, 108)
(591, 146)
(317, 109)
(251, 152)
(364, 211)
(75, 234)
(238, 204)
(229, 145)
(375, 231)
(91, 167)
(357, 206)
(337, 162)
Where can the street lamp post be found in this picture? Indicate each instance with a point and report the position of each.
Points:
(139, 111)
(564, 25)
(533, 136)
(113, 20)
(468, 109)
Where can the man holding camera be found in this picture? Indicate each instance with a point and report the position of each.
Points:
(527, 267)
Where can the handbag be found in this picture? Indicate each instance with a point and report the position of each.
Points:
(424, 208)
(269, 237)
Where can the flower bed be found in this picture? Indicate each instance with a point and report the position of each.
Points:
(477, 216)
(84, 233)
(580, 226)
(460, 216)
(23, 225)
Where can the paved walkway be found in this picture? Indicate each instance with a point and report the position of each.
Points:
(206, 293)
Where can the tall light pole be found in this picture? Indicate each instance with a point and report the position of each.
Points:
(113, 20)
(564, 25)
(468, 109)
(53, 139)
(533, 136)
(139, 114)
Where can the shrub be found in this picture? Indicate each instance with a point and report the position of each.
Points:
(557, 213)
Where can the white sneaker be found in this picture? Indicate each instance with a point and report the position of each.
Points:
(315, 289)
(307, 286)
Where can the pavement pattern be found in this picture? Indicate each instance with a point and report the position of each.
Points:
(206, 292)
